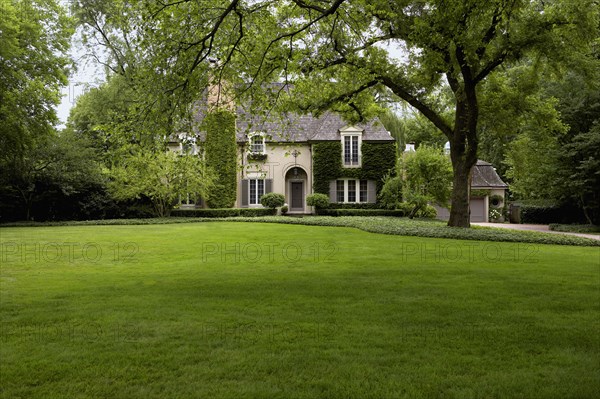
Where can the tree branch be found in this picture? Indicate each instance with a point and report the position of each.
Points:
(427, 111)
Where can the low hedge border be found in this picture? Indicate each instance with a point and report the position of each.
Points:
(350, 205)
(383, 225)
(221, 213)
(362, 212)
(575, 228)
(546, 214)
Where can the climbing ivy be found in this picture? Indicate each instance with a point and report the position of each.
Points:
(377, 160)
(221, 156)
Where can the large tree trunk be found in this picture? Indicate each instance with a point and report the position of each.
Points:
(463, 153)
(459, 210)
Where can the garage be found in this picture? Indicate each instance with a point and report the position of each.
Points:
(477, 206)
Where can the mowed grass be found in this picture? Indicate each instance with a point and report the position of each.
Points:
(265, 310)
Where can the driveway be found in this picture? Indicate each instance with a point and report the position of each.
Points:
(535, 227)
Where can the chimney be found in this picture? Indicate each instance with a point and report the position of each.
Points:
(219, 92)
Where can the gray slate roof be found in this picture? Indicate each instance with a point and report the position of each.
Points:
(485, 176)
(297, 128)
(306, 128)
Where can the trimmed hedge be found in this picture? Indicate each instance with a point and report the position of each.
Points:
(575, 228)
(221, 213)
(350, 205)
(540, 214)
(362, 212)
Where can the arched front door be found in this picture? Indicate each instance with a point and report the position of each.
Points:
(296, 179)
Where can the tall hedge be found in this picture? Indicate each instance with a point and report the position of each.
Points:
(377, 160)
(221, 156)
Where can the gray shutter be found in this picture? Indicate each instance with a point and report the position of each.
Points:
(332, 191)
(268, 185)
(244, 184)
(371, 191)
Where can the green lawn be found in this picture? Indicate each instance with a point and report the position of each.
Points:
(235, 310)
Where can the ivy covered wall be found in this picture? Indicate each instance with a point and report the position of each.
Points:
(221, 156)
(377, 160)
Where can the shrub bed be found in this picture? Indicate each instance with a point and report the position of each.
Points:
(575, 228)
(546, 214)
(221, 213)
(349, 205)
(362, 212)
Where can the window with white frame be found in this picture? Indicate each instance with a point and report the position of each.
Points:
(351, 190)
(351, 150)
(256, 188)
(257, 144)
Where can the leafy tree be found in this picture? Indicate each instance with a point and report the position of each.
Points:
(559, 163)
(162, 176)
(106, 115)
(396, 126)
(427, 174)
(56, 168)
(450, 48)
(34, 65)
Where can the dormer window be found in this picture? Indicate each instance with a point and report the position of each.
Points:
(351, 142)
(257, 143)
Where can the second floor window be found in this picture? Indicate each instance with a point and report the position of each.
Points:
(351, 151)
(257, 144)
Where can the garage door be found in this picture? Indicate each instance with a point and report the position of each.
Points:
(478, 210)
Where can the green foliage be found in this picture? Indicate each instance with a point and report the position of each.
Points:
(106, 115)
(221, 156)
(354, 205)
(327, 164)
(56, 171)
(284, 209)
(426, 211)
(161, 176)
(221, 213)
(377, 160)
(420, 131)
(396, 125)
(575, 228)
(362, 212)
(391, 193)
(427, 176)
(34, 66)
(272, 200)
(546, 214)
(318, 200)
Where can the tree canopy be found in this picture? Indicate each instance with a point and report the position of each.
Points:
(34, 65)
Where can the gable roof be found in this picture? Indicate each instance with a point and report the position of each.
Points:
(304, 128)
(485, 176)
(293, 127)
